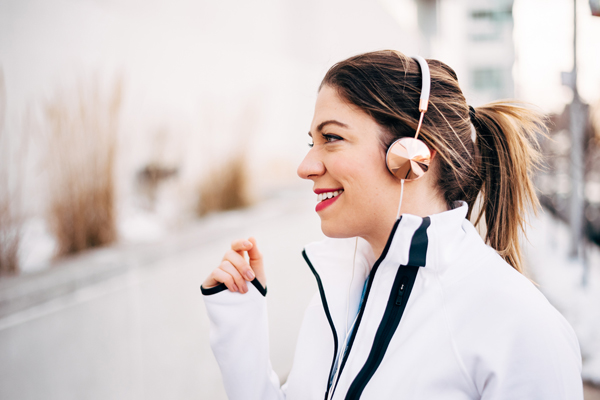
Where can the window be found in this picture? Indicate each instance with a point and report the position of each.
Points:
(488, 24)
(485, 79)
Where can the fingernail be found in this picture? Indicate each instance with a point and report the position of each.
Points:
(250, 275)
(235, 288)
(247, 244)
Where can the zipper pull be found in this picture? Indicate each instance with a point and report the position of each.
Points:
(401, 292)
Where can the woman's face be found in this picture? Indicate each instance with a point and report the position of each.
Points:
(347, 159)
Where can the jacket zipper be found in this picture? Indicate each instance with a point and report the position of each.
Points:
(363, 305)
(397, 301)
(400, 295)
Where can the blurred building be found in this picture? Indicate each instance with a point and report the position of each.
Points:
(490, 54)
(475, 38)
(206, 81)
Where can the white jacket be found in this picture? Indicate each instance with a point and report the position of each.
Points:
(472, 328)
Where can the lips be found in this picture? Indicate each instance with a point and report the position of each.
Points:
(326, 197)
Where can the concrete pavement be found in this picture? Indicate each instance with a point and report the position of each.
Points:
(143, 333)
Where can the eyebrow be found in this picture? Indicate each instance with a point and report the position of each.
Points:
(330, 121)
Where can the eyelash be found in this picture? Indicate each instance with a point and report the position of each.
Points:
(328, 138)
(331, 138)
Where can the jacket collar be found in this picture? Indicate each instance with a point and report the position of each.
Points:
(331, 259)
(445, 233)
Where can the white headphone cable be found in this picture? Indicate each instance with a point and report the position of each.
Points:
(349, 288)
(401, 194)
(346, 328)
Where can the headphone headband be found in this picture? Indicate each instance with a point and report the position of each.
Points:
(408, 158)
(425, 83)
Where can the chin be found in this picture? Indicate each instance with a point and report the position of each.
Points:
(335, 231)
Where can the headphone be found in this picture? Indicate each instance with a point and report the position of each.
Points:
(408, 158)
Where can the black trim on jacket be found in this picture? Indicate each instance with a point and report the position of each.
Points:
(221, 286)
(327, 314)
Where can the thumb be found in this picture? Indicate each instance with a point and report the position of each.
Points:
(256, 262)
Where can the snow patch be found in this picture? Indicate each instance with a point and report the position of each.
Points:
(37, 247)
(573, 287)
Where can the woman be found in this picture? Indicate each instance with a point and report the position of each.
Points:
(430, 310)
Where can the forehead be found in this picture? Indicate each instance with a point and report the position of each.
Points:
(330, 106)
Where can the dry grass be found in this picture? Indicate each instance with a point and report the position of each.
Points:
(150, 178)
(225, 188)
(10, 235)
(81, 144)
(11, 174)
(595, 122)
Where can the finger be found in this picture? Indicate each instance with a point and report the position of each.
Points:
(210, 282)
(222, 276)
(237, 277)
(241, 245)
(256, 259)
(240, 263)
(256, 262)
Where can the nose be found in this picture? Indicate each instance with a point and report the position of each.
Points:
(311, 167)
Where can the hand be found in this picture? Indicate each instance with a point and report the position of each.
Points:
(234, 270)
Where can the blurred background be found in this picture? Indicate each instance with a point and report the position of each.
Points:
(139, 138)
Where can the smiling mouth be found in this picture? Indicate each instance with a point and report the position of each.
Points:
(329, 195)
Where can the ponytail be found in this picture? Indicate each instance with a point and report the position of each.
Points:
(508, 155)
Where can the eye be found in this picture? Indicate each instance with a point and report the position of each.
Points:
(331, 138)
(310, 144)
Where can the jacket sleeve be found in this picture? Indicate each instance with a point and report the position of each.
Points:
(239, 340)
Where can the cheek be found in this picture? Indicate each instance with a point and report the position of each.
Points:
(354, 176)
(370, 173)
(344, 169)
(362, 173)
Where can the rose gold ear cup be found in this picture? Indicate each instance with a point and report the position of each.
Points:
(408, 158)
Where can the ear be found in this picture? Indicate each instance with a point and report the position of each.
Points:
(432, 164)
(433, 153)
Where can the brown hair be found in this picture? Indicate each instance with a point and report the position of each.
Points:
(497, 167)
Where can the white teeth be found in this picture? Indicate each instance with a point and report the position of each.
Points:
(328, 195)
